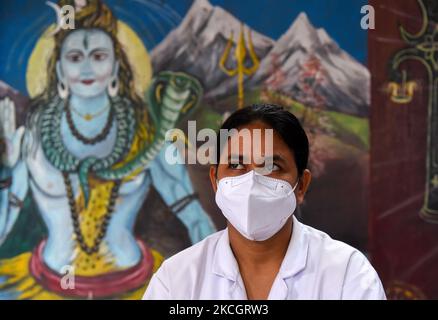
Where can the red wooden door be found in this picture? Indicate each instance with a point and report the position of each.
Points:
(404, 180)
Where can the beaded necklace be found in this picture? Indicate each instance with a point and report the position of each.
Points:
(58, 155)
(99, 137)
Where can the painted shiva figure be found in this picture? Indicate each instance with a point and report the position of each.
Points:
(89, 153)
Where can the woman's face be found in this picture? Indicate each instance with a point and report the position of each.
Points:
(281, 164)
(87, 63)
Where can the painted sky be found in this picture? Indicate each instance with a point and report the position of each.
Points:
(23, 21)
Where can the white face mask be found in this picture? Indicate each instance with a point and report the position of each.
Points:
(256, 205)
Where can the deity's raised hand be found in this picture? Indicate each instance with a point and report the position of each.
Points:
(10, 136)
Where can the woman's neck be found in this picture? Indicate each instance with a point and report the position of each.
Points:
(260, 254)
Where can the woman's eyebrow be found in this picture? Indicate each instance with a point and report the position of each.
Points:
(234, 158)
(275, 157)
(237, 159)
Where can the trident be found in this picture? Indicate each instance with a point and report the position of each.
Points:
(240, 55)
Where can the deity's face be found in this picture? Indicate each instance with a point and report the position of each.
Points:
(87, 62)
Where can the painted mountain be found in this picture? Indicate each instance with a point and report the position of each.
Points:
(197, 44)
(304, 51)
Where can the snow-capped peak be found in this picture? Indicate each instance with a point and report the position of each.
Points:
(324, 38)
(301, 32)
(207, 21)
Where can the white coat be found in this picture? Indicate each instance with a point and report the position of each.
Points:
(315, 267)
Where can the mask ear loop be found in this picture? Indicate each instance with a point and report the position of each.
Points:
(296, 184)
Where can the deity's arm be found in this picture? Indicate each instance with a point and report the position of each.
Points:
(13, 171)
(173, 183)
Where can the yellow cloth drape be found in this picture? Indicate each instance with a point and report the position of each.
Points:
(17, 282)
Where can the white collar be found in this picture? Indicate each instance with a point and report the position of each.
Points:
(295, 259)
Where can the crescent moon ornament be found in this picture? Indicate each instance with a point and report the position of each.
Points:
(58, 13)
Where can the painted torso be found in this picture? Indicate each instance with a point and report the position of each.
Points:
(119, 249)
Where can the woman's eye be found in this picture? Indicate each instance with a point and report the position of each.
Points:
(273, 167)
(235, 166)
(99, 56)
(74, 57)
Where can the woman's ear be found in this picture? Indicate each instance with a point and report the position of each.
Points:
(303, 185)
(213, 177)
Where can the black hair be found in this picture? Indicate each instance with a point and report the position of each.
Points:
(281, 121)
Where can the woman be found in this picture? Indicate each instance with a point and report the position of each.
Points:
(265, 252)
(89, 157)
